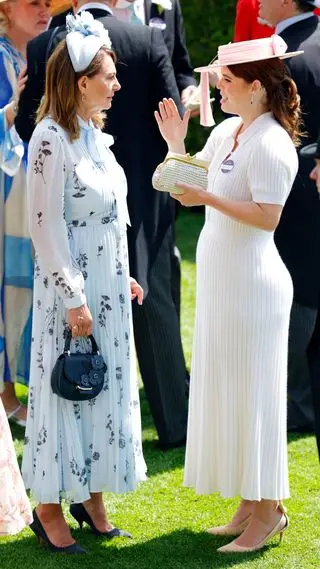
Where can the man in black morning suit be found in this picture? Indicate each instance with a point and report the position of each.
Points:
(170, 22)
(146, 76)
(298, 234)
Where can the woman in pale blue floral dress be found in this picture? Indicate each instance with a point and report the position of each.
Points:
(78, 217)
(20, 21)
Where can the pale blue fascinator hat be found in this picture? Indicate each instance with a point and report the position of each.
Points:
(84, 39)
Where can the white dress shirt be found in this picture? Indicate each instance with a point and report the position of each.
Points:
(127, 14)
(96, 5)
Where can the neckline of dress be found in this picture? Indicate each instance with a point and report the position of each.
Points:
(86, 125)
(251, 129)
(10, 45)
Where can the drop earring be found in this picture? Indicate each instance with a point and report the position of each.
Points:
(252, 99)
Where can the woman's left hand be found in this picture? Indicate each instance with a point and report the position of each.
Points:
(192, 195)
(136, 291)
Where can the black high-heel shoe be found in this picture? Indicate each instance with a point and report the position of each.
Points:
(38, 529)
(81, 515)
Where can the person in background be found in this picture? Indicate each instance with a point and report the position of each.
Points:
(298, 234)
(78, 218)
(312, 151)
(15, 509)
(166, 15)
(20, 21)
(248, 25)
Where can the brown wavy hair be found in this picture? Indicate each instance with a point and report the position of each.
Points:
(282, 94)
(61, 97)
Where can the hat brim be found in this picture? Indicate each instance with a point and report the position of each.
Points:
(310, 151)
(217, 64)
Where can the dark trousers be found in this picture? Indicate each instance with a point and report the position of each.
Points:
(300, 404)
(314, 364)
(159, 349)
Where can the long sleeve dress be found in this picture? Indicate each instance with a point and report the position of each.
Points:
(16, 256)
(78, 216)
(15, 509)
(237, 438)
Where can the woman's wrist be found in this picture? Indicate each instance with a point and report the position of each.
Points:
(10, 111)
(177, 147)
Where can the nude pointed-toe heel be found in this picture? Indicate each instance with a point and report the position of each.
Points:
(279, 529)
(230, 530)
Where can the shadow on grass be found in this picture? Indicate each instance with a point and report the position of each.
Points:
(176, 550)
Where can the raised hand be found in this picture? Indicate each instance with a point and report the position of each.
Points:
(173, 129)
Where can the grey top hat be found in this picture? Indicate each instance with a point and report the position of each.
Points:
(312, 150)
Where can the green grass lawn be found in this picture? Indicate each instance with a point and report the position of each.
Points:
(167, 520)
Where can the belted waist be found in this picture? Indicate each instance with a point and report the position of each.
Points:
(94, 220)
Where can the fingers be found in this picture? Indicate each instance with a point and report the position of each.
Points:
(186, 117)
(168, 109)
(158, 119)
(163, 110)
(82, 327)
(176, 197)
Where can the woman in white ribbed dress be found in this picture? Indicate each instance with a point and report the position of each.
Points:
(236, 440)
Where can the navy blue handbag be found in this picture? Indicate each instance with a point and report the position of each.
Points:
(78, 377)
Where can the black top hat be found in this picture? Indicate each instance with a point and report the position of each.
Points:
(312, 150)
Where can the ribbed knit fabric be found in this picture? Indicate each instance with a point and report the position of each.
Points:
(236, 440)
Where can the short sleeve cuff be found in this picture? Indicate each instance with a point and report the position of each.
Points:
(76, 301)
(268, 198)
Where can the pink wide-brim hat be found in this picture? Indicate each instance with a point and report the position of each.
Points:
(234, 54)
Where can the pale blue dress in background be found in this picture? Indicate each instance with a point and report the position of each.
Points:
(16, 263)
(78, 216)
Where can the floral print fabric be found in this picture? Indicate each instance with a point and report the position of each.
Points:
(71, 448)
(15, 510)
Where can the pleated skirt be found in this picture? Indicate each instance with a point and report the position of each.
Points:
(236, 441)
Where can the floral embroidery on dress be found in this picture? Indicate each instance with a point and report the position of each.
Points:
(79, 441)
(82, 261)
(61, 283)
(80, 189)
(43, 153)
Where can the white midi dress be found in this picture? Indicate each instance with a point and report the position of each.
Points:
(236, 441)
(78, 216)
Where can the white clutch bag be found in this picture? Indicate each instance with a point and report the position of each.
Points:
(180, 168)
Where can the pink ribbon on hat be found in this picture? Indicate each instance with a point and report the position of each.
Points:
(279, 46)
(206, 116)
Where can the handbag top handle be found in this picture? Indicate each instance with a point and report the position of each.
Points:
(95, 349)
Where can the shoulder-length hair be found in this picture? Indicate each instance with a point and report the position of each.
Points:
(62, 96)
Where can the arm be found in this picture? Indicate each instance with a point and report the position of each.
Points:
(11, 148)
(180, 57)
(263, 216)
(271, 172)
(46, 181)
